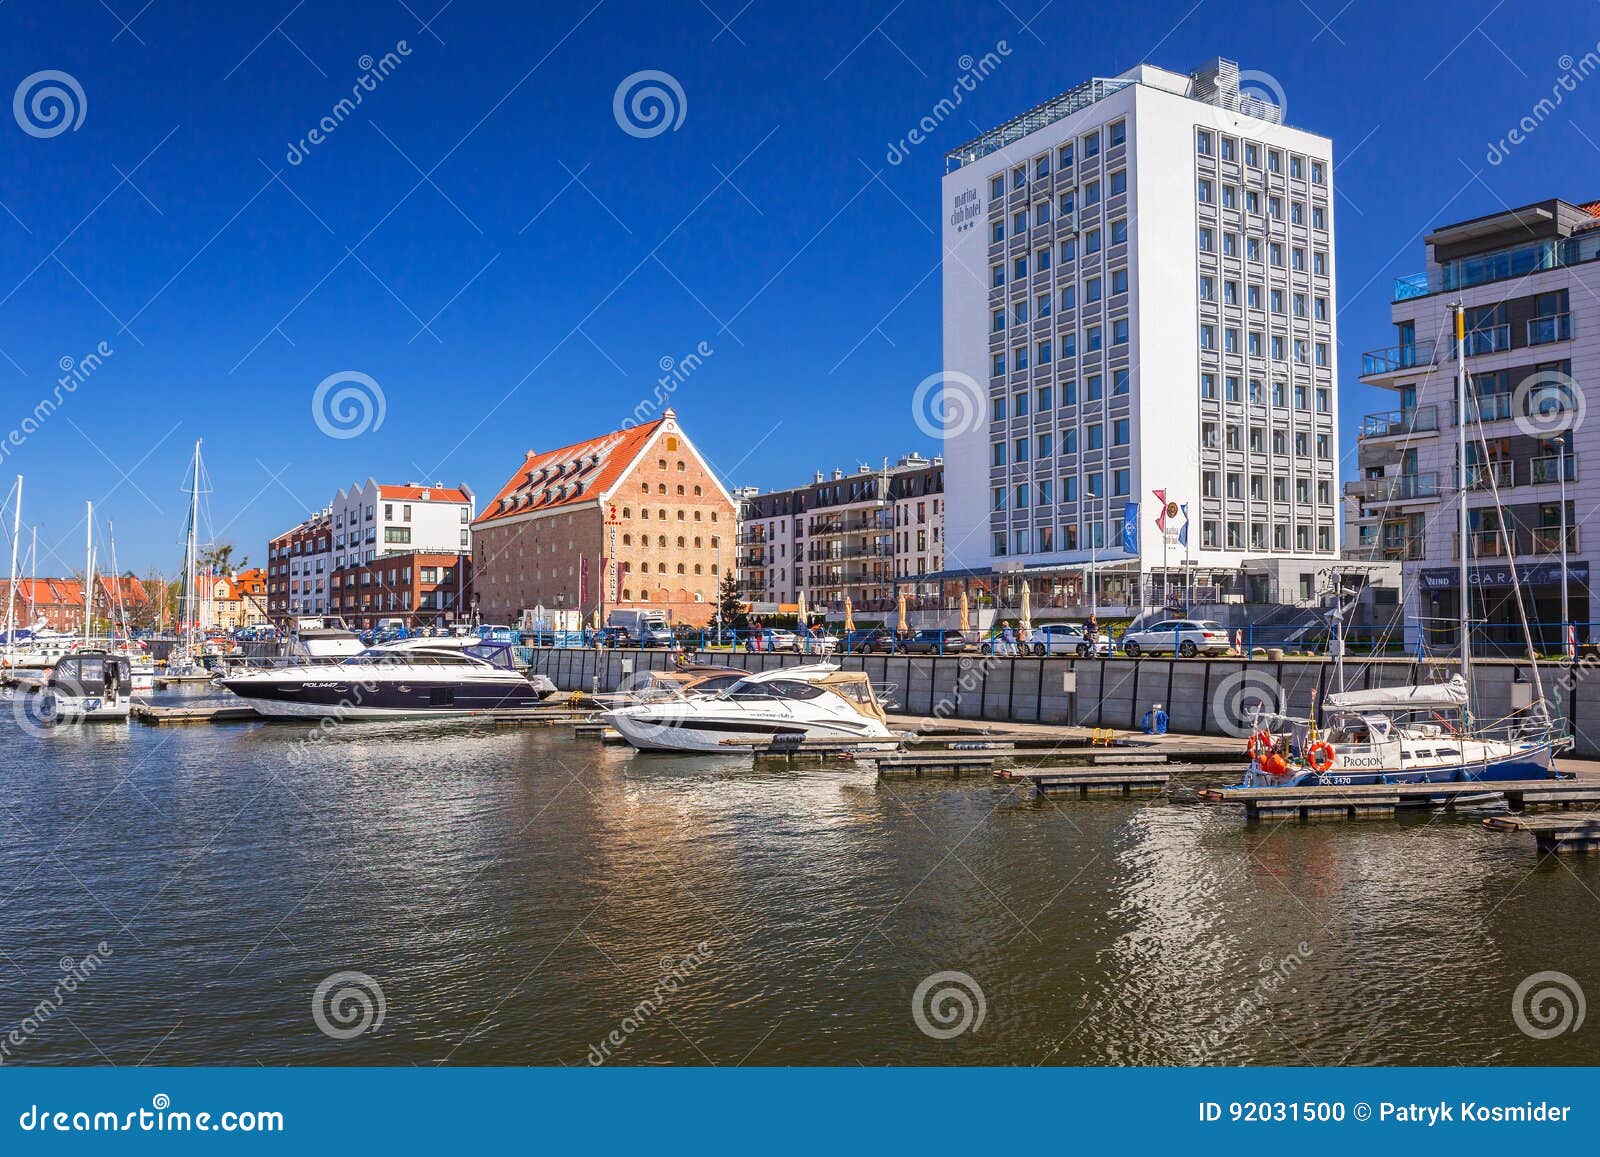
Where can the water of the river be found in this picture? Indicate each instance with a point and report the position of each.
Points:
(522, 897)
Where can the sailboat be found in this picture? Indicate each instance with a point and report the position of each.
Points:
(185, 656)
(1412, 734)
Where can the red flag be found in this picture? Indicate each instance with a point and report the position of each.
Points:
(1161, 510)
(583, 581)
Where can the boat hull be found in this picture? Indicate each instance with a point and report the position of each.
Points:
(666, 731)
(292, 698)
(1536, 761)
(57, 708)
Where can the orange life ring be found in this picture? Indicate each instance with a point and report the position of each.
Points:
(1320, 756)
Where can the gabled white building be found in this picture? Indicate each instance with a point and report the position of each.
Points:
(372, 519)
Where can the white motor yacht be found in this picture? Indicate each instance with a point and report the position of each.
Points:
(87, 686)
(816, 701)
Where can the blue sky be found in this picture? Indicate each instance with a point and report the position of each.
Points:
(482, 240)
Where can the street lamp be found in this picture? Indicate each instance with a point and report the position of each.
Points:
(1561, 470)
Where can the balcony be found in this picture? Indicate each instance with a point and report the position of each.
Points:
(1518, 261)
(1485, 408)
(1544, 330)
(1414, 286)
(1547, 540)
(1404, 549)
(1487, 544)
(1399, 359)
(1489, 340)
(1399, 423)
(1549, 469)
(1397, 488)
(1497, 475)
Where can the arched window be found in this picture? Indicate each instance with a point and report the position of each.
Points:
(682, 466)
(661, 541)
(680, 542)
(661, 487)
(680, 568)
(698, 491)
(661, 463)
(680, 488)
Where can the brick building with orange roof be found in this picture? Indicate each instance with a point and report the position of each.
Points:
(634, 519)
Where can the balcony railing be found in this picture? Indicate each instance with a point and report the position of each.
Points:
(1518, 261)
(1393, 423)
(1488, 544)
(1485, 408)
(1406, 288)
(1397, 359)
(1549, 469)
(1489, 340)
(1395, 488)
(1498, 475)
(1547, 540)
(1405, 549)
(1544, 330)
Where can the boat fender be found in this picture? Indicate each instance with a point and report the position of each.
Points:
(1320, 756)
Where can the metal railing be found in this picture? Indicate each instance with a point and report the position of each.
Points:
(1485, 408)
(1544, 330)
(1391, 423)
(1547, 539)
(1517, 261)
(1549, 469)
(1395, 359)
(1488, 340)
(1486, 544)
(1405, 549)
(1499, 474)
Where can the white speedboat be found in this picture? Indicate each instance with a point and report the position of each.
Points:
(87, 686)
(416, 683)
(817, 701)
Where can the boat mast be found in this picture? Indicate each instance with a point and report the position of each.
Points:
(1461, 485)
(88, 574)
(191, 559)
(11, 591)
(33, 578)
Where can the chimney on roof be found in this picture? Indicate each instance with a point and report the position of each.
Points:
(837, 474)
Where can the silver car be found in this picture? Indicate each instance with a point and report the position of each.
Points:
(1065, 639)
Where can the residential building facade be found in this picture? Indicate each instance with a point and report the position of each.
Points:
(634, 519)
(421, 588)
(1529, 281)
(860, 536)
(1139, 293)
(57, 603)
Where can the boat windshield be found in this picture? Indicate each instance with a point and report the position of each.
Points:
(495, 654)
(373, 657)
(774, 689)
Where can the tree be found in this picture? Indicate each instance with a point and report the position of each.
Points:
(733, 609)
(219, 558)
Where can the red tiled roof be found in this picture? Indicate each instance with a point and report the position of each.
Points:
(69, 592)
(569, 476)
(415, 493)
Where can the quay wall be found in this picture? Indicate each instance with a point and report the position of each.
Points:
(1202, 696)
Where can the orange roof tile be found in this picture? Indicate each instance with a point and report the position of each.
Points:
(569, 476)
(415, 493)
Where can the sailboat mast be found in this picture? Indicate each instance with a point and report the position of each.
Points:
(88, 572)
(1461, 484)
(11, 591)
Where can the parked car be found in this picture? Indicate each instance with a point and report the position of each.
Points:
(1185, 637)
(816, 643)
(656, 635)
(1066, 639)
(769, 639)
(862, 642)
(609, 637)
(935, 641)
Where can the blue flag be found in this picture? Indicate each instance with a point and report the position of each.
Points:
(1183, 531)
(1130, 528)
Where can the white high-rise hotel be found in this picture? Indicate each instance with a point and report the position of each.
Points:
(1139, 278)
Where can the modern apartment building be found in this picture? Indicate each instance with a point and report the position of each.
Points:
(863, 536)
(1529, 280)
(1139, 290)
(634, 519)
(420, 588)
(367, 522)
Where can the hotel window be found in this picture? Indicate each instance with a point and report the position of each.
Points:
(1319, 217)
(1069, 489)
(1091, 241)
(1302, 351)
(1069, 441)
(1021, 449)
(1208, 337)
(1277, 348)
(1020, 540)
(1069, 249)
(1319, 174)
(1119, 381)
(1295, 169)
(1045, 399)
(1022, 496)
(1119, 432)
(1319, 263)
(1065, 205)
(1069, 345)
(999, 320)
(1235, 536)
(1209, 534)
(999, 543)
(1207, 240)
(1119, 231)
(1041, 167)
(1019, 268)
(1225, 147)
(1208, 289)
(1022, 313)
(1230, 196)
(1277, 301)
(997, 232)
(997, 409)
(1252, 249)
(1069, 393)
(1322, 446)
(1275, 254)
(1041, 213)
(1252, 201)
(1230, 388)
(1069, 297)
(1046, 445)
(1119, 331)
(1093, 339)
(1252, 155)
(1119, 181)
(1091, 290)
(1235, 438)
(1275, 208)
(1118, 132)
(1043, 352)
(1119, 483)
(1041, 261)
(1202, 143)
(997, 276)
(1319, 308)
(997, 187)
(1019, 358)
(1299, 305)
(1094, 436)
(1255, 345)
(1322, 353)
(1019, 176)
(1092, 484)
(1274, 161)
(998, 452)
(1019, 405)
(1064, 155)
(999, 365)
(1297, 258)
(1091, 145)
(1208, 484)
(1000, 493)
(1019, 222)
(1230, 245)
(1230, 292)
(1297, 212)
(1042, 305)
(1230, 340)
(1208, 386)
(1202, 192)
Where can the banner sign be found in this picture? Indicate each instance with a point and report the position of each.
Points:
(1539, 574)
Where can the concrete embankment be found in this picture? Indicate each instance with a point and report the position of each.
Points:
(1202, 696)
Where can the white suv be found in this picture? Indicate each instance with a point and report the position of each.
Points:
(1066, 639)
(1185, 637)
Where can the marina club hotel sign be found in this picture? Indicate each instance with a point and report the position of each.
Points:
(965, 209)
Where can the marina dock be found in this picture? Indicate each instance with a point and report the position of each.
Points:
(1107, 780)
(1575, 833)
(1379, 801)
